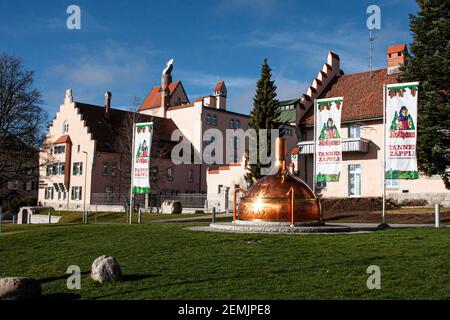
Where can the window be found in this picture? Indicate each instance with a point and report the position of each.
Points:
(170, 174)
(78, 148)
(29, 186)
(77, 168)
(61, 168)
(48, 171)
(214, 120)
(55, 170)
(13, 185)
(354, 131)
(154, 174)
(321, 184)
(287, 132)
(48, 193)
(62, 195)
(354, 180)
(392, 183)
(114, 171)
(190, 175)
(209, 139)
(76, 193)
(65, 127)
(234, 124)
(105, 169)
(59, 149)
(109, 194)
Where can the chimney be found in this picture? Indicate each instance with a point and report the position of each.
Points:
(166, 79)
(107, 105)
(165, 99)
(396, 57)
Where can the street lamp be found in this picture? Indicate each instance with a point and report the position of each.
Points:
(85, 178)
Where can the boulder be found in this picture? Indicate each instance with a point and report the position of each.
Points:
(105, 269)
(19, 288)
(171, 207)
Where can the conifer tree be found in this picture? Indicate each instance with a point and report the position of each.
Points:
(429, 63)
(264, 115)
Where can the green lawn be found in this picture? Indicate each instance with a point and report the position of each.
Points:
(166, 261)
(115, 217)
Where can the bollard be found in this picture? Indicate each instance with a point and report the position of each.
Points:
(437, 209)
(214, 215)
(87, 217)
(49, 218)
(139, 216)
(14, 219)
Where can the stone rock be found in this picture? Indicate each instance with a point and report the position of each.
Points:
(105, 269)
(19, 288)
(171, 207)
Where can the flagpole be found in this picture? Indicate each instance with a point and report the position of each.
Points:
(132, 172)
(383, 179)
(315, 147)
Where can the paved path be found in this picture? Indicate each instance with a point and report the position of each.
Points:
(203, 217)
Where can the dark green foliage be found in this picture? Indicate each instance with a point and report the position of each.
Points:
(264, 114)
(13, 205)
(429, 63)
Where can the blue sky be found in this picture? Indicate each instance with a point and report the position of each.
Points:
(123, 46)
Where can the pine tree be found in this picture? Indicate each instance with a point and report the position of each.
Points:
(264, 115)
(429, 63)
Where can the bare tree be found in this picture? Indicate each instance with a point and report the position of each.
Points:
(22, 121)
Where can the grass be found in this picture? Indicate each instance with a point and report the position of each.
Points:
(166, 261)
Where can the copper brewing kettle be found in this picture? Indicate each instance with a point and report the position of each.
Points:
(281, 197)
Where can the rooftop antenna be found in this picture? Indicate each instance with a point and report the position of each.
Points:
(371, 47)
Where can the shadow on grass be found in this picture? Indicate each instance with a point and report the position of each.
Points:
(61, 296)
(62, 277)
(137, 277)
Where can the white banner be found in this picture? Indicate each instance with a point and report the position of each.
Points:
(141, 158)
(401, 130)
(328, 148)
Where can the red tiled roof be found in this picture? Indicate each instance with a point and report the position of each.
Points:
(107, 132)
(363, 96)
(219, 86)
(153, 99)
(62, 139)
(396, 48)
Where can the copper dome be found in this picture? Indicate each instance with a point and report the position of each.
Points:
(271, 198)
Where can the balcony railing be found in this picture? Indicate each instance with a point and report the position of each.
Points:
(348, 145)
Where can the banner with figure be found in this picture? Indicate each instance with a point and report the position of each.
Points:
(328, 148)
(143, 133)
(401, 130)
